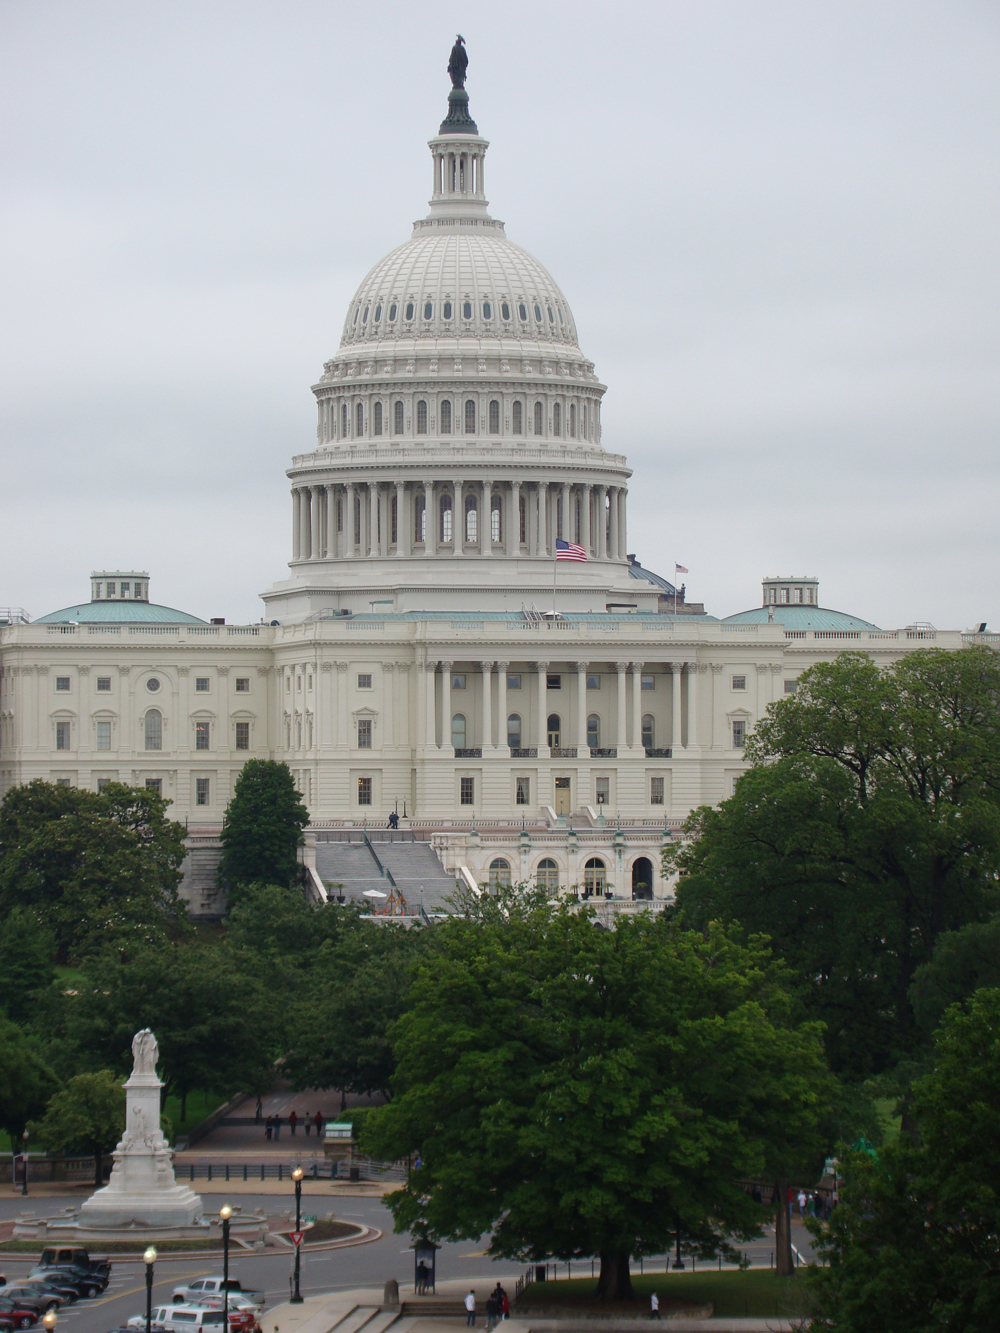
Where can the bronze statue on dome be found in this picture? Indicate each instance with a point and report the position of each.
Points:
(458, 62)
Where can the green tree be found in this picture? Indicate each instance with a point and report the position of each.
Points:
(868, 824)
(26, 1081)
(27, 962)
(963, 962)
(577, 1091)
(88, 1115)
(913, 1246)
(262, 828)
(95, 867)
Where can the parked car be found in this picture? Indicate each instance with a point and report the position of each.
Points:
(236, 1300)
(69, 1275)
(157, 1317)
(204, 1288)
(15, 1314)
(59, 1286)
(33, 1297)
(60, 1256)
(193, 1319)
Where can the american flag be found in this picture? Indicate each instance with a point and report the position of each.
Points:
(681, 569)
(569, 550)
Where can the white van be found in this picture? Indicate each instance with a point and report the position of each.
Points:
(193, 1319)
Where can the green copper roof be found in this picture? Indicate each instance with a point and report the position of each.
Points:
(800, 617)
(119, 613)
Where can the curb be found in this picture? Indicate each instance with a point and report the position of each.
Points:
(365, 1237)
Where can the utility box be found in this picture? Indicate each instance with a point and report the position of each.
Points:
(338, 1143)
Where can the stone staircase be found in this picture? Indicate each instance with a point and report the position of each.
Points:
(352, 866)
(414, 866)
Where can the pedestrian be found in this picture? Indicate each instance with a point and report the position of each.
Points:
(318, 1122)
(306, 1123)
(258, 1111)
(802, 1203)
(394, 820)
(491, 1311)
(756, 1194)
(504, 1304)
(654, 1306)
(791, 1202)
(268, 1127)
(293, 1120)
(277, 1126)
(470, 1310)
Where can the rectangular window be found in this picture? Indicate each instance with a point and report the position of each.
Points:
(649, 682)
(242, 684)
(739, 733)
(655, 791)
(467, 791)
(739, 682)
(553, 682)
(104, 735)
(364, 733)
(63, 782)
(521, 789)
(102, 783)
(364, 682)
(201, 791)
(791, 686)
(364, 791)
(243, 735)
(201, 684)
(155, 784)
(62, 735)
(513, 682)
(62, 684)
(602, 790)
(202, 732)
(103, 684)
(593, 682)
(111, 590)
(458, 680)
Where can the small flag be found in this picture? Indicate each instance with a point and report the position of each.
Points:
(569, 550)
(680, 569)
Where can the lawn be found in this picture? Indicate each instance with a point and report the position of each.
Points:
(758, 1293)
(199, 1105)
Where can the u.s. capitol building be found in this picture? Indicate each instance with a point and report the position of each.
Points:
(426, 654)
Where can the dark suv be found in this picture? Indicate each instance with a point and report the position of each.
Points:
(72, 1280)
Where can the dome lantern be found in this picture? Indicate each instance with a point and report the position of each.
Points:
(458, 151)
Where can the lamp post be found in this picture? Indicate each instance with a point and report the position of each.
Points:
(297, 1177)
(24, 1161)
(49, 1320)
(149, 1258)
(225, 1213)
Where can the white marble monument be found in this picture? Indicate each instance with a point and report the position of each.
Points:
(142, 1191)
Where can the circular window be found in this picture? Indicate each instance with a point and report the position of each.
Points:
(409, 310)
(467, 310)
(152, 684)
(522, 310)
(538, 312)
(447, 310)
(378, 314)
(392, 312)
(487, 310)
(428, 310)
(505, 310)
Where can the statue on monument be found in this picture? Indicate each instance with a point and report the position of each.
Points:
(145, 1052)
(458, 62)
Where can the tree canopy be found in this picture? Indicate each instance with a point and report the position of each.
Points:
(262, 828)
(26, 1081)
(576, 1091)
(88, 1115)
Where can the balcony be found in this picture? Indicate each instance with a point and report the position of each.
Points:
(654, 753)
(470, 752)
(562, 751)
(604, 752)
(524, 752)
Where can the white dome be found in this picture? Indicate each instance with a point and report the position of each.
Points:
(456, 286)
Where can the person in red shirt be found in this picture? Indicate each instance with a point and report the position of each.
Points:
(293, 1120)
(318, 1122)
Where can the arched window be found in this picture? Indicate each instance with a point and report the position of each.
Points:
(504, 310)
(556, 419)
(494, 417)
(522, 505)
(547, 874)
(446, 518)
(359, 419)
(446, 417)
(392, 312)
(516, 419)
(555, 730)
(471, 519)
(499, 873)
(522, 311)
(421, 417)
(594, 731)
(470, 416)
(154, 729)
(393, 524)
(458, 731)
(397, 417)
(572, 420)
(343, 421)
(514, 731)
(648, 730)
(496, 526)
(420, 519)
(594, 876)
(409, 310)
(487, 310)
(467, 310)
(428, 310)
(446, 311)
(539, 421)
(378, 418)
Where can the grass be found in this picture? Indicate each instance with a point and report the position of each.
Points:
(891, 1123)
(199, 1105)
(758, 1293)
(327, 1230)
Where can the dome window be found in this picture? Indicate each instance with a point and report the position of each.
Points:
(517, 418)
(572, 420)
(552, 318)
(409, 310)
(397, 417)
(445, 528)
(422, 417)
(378, 314)
(392, 313)
(378, 419)
(357, 312)
(467, 310)
(152, 684)
(471, 519)
(504, 310)
(539, 421)
(487, 310)
(470, 417)
(556, 419)
(428, 310)
(538, 313)
(364, 317)
(446, 417)
(343, 420)
(447, 310)
(559, 309)
(522, 310)
(494, 416)
(360, 423)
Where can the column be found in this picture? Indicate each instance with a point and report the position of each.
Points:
(402, 521)
(622, 535)
(388, 734)
(296, 521)
(692, 710)
(487, 729)
(332, 535)
(543, 527)
(372, 543)
(486, 519)
(581, 707)
(341, 704)
(502, 705)
(601, 544)
(430, 520)
(350, 537)
(620, 738)
(567, 523)
(458, 519)
(542, 711)
(531, 515)
(675, 706)
(613, 535)
(514, 520)
(314, 523)
(585, 502)
(636, 704)
(430, 720)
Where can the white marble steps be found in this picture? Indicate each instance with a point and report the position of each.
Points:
(365, 1319)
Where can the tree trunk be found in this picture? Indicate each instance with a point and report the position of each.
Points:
(184, 1106)
(782, 1231)
(615, 1282)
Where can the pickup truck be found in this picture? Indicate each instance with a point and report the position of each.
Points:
(53, 1257)
(211, 1289)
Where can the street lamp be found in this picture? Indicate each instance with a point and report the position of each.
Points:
(225, 1213)
(149, 1258)
(24, 1161)
(49, 1320)
(297, 1177)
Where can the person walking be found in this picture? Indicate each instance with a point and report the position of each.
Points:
(258, 1111)
(293, 1120)
(491, 1311)
(394, 820)
(306, 1123)
(504, 1304)
(268, 1128)
(803, 1200)
(654, 1305)
(318, 1122)
(277, 1126)
(470, 1310)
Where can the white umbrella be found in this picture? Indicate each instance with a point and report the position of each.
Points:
(373, 893)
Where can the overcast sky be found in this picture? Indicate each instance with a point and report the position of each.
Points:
(776, 223)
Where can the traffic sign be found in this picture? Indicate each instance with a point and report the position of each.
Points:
(296, 1237)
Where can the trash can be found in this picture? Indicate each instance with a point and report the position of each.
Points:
(540, 1272)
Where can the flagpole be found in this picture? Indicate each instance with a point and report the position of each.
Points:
(555, 566)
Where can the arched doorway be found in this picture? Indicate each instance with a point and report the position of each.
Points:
(642, 878)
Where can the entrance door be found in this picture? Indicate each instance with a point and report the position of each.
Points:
(562, 796)
(642, 877)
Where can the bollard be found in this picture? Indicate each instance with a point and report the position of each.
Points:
(227, 1170)
(262, 1170)
(244, 1170)
(279, 1170)
(210, 1170)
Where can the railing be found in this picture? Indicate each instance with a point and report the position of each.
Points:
(365, 624)
(470, 752)
(604, 752)
(385, 872)
(653, 752)
(202, 629)
(738, 629)
(367, 1168)
(468, 624)
(562, 751)
(524, 752)
(61, 629)
(836, 634)
(795, 634)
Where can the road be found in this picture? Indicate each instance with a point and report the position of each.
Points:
(356, 1266)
